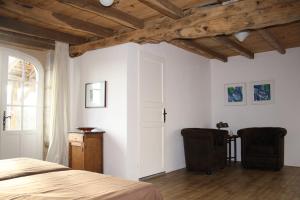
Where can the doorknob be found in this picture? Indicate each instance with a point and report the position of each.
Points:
(4, 120)
(165, 115)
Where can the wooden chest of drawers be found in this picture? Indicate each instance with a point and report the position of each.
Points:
(86, 151)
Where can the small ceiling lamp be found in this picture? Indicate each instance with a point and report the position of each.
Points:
(241, 36)
(106, 3)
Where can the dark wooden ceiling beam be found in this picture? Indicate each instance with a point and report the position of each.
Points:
(107, 12)
(208, 22)
(206, 3)
(29, 29)
(235, 46)
(85, 26)
(199, 49)
(31, 9)
(271, 40)
(164, 7)
(24, 40)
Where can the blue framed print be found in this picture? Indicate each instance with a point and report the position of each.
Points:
(235, 94)
(262, 92)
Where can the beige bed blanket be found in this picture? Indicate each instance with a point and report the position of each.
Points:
(18, 167)
(75, 184)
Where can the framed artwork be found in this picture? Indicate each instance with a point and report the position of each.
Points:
(235, 94)
(262, 92)
(95, 95)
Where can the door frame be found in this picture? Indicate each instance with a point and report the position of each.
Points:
(141, 54)
(4, 53)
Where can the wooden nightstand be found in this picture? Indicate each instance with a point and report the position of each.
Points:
(86, 151)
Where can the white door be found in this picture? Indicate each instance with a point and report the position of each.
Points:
(21, 105)
(151, 115)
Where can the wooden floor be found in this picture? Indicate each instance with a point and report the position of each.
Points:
(231, 183)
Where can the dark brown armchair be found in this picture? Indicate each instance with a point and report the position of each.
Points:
(262, 148)
(205, 149)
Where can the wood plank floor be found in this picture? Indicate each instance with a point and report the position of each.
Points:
(231, 183)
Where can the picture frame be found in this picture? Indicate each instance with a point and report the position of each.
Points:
(235, 94)
(95, 94)
(262, 92)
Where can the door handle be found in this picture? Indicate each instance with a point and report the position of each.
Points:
(165, 115)
(4, 120)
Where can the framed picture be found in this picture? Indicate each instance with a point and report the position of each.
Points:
(262, 92)
(95, 95)
(235, 94)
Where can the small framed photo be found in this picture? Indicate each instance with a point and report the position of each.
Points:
(95, 95)
(235, 94)
(262, 92)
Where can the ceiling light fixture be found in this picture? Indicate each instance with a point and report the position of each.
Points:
(106, 3)
(241, 36)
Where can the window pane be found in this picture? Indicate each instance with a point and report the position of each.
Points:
(30, 93)
(14, 122)
(15, 68)
(14, 93)
(30, 72)
(29, 118)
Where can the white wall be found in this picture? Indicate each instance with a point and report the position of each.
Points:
(132, 154)
(41, 55)
(187, 98)
(110, 65)
(285, 112)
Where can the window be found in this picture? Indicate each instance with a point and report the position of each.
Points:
(22, 90)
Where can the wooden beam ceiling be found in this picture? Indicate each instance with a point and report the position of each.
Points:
(28, 41)
(235, 46)
(165, 7)
(271, 40)
(207, 22)
(197, 48)
(29, 29)
(201, 27)
(107, 12)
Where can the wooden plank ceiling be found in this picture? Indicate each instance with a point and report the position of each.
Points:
(204, 27)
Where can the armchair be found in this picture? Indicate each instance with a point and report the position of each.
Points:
(262, 147)
(205, 149)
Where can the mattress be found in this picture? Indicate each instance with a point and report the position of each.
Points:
(76, 184)
(18, 167)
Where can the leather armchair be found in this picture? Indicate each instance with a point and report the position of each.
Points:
(262, 148)
(205, 149)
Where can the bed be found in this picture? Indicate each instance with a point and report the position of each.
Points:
(51, 181)
(18, 167)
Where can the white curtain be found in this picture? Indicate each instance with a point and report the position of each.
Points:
(59, 119)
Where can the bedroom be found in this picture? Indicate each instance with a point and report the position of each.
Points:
(193, 73)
